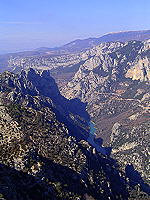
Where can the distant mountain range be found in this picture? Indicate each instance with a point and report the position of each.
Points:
(81, 45)
(77, 46)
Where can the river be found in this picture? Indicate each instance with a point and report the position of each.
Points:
(92, 128)
(91, 139)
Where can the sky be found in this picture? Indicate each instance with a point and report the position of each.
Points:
(29, 24)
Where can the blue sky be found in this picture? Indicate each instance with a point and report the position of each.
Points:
(28, 24)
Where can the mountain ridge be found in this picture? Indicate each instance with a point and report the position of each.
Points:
(75, 47)
(79, 45)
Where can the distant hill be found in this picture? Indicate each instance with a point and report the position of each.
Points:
(76, 46)
(80, 45)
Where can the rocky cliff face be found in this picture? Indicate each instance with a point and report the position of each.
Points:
(140, 71)
(108, 64)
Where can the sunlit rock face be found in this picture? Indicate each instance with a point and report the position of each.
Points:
(140, 71)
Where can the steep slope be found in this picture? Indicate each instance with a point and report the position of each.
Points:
(43, 87)
(115, 82)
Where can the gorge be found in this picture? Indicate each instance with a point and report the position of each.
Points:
(76, 126)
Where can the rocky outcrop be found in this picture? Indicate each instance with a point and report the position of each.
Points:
(140, 71)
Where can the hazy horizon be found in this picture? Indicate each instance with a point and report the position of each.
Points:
(32, 24)
(37, 46)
